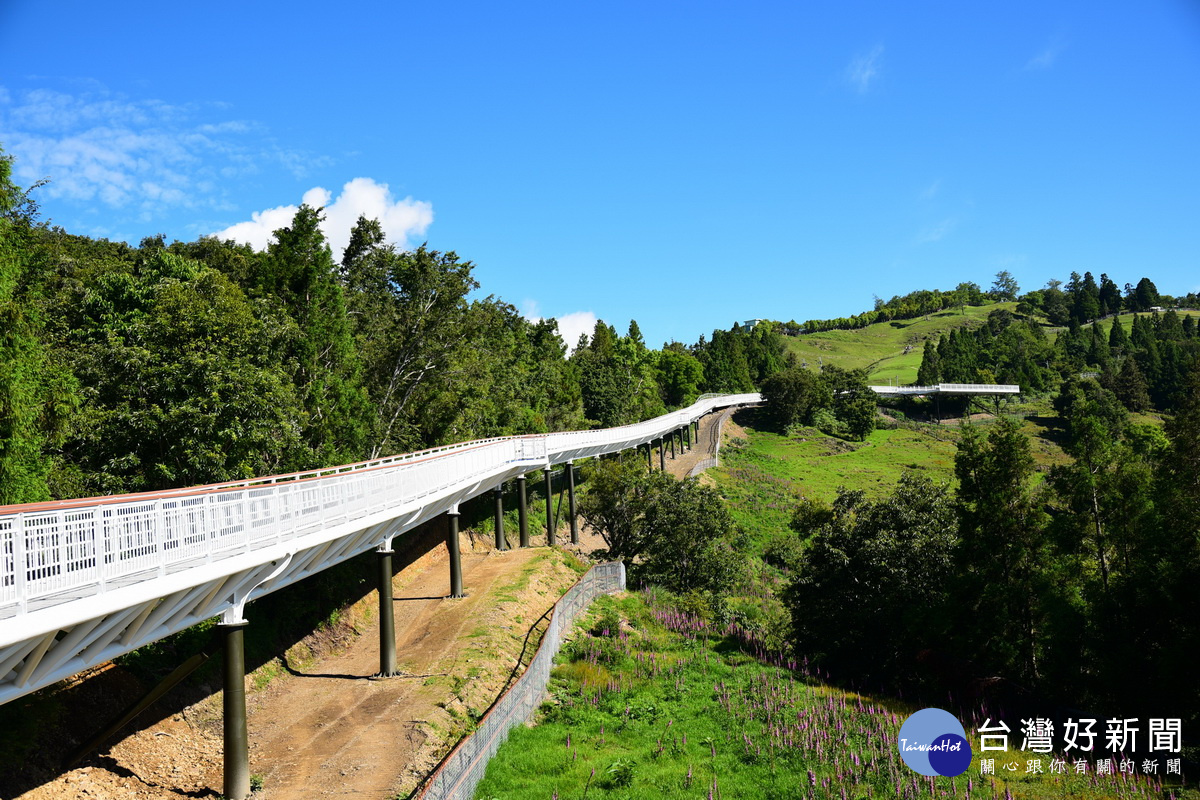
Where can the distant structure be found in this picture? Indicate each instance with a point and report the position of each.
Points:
(750, 324)
(950, 388)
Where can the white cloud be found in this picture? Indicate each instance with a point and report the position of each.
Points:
(931, 191)
(935, 233)
(1046, 58)
(531, 310)
(147, 156)
(864, 69)
(400, 219)
(570, 326)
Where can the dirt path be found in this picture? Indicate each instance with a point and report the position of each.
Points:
(331, 731)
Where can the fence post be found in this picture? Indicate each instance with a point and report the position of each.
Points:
(20, 563)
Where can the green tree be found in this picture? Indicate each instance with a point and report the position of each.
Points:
(1094, 422)
(1001, 560)
(692, 543)
(1145, 295)
(411, 321)
(1087, 300)
(1130, 387)
(1118, 339)
(930, 372)
(619, 492)
(679, 375)
(1005, 286)
(1110, 296)
(298, 272)
(793, 396)
(181, 381)
(870, 590)
(853, 403)
(600, 378)
(35, 393)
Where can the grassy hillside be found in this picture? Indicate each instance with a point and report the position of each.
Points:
(762, 472)
(648, 701)
(879, 348)
(1126, 321)
(762, 475)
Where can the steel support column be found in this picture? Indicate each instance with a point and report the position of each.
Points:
(549, 508)
(649, 455)
(571, 502)
(500, 543)
(237, 745)
(687, 435)
(662, 455)
(671, 436)
(522, 508)
(456, 588)
(387, 623)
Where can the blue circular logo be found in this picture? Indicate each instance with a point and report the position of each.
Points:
(933, 742)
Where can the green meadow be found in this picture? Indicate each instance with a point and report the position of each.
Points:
(762, 475)
(880, 348)
(649, 702)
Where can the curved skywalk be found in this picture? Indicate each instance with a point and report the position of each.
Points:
(83, 581)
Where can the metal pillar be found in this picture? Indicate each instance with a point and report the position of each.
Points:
(549, 509)
(456, 589)
(237, 746)
(522, 507)
(387, 623)
(500, 543)
(662, 455)
(649, 455)
(687, 435)
(671, 436)
(571, 502)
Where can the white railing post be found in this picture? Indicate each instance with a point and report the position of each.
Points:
(158, 536)
(20, 566)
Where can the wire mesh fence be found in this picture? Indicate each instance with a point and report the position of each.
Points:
(460, 772)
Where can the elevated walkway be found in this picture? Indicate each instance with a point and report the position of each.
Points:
(84, 581)
(951, 388)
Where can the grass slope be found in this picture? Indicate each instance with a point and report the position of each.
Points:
(669, 708)
(762, 472)
(879, 348)
(762, 475)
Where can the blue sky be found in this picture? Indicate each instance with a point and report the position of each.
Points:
(682, 164)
